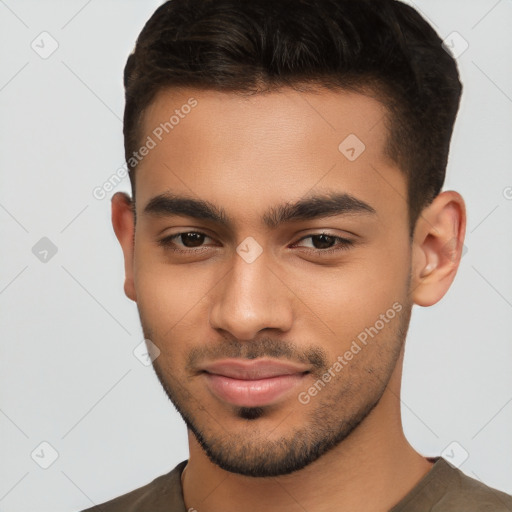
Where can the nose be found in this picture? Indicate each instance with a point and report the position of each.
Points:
(250, 298)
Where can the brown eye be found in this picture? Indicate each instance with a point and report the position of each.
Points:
(325, 243)
(181, 242)
(192, 239)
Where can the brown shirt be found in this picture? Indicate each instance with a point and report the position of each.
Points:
(443, 489)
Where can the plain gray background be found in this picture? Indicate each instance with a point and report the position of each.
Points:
(69, 377)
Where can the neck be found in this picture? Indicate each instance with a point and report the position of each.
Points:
(372, 469)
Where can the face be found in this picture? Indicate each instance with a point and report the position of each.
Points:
(271, 268)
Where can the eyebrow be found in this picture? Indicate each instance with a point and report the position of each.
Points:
(308, 208)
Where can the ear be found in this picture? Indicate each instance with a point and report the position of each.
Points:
(437, 247)
(124, 228)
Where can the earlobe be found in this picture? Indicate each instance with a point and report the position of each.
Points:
(123, 223)
(437, 248)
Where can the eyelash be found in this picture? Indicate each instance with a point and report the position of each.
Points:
(343, 243)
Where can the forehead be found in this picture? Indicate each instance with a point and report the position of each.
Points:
(251, 151)
(284, 113)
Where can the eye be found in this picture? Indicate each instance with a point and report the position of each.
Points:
(186, 241)
(326, 243)
(193, 241)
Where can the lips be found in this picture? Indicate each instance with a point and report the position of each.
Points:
(253, 370)
(252, 383)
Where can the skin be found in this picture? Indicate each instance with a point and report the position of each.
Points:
(247, 155)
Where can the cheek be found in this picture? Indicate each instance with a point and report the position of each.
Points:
(161, 288)
(172, 299)
(345, 300)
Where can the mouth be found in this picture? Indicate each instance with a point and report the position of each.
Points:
(252, 383)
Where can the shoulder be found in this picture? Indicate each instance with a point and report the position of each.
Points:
(163, 494)
(471, 494)
(447, 489)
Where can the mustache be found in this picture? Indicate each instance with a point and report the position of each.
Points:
(267, 347)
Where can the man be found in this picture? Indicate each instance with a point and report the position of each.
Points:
(286, 161)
